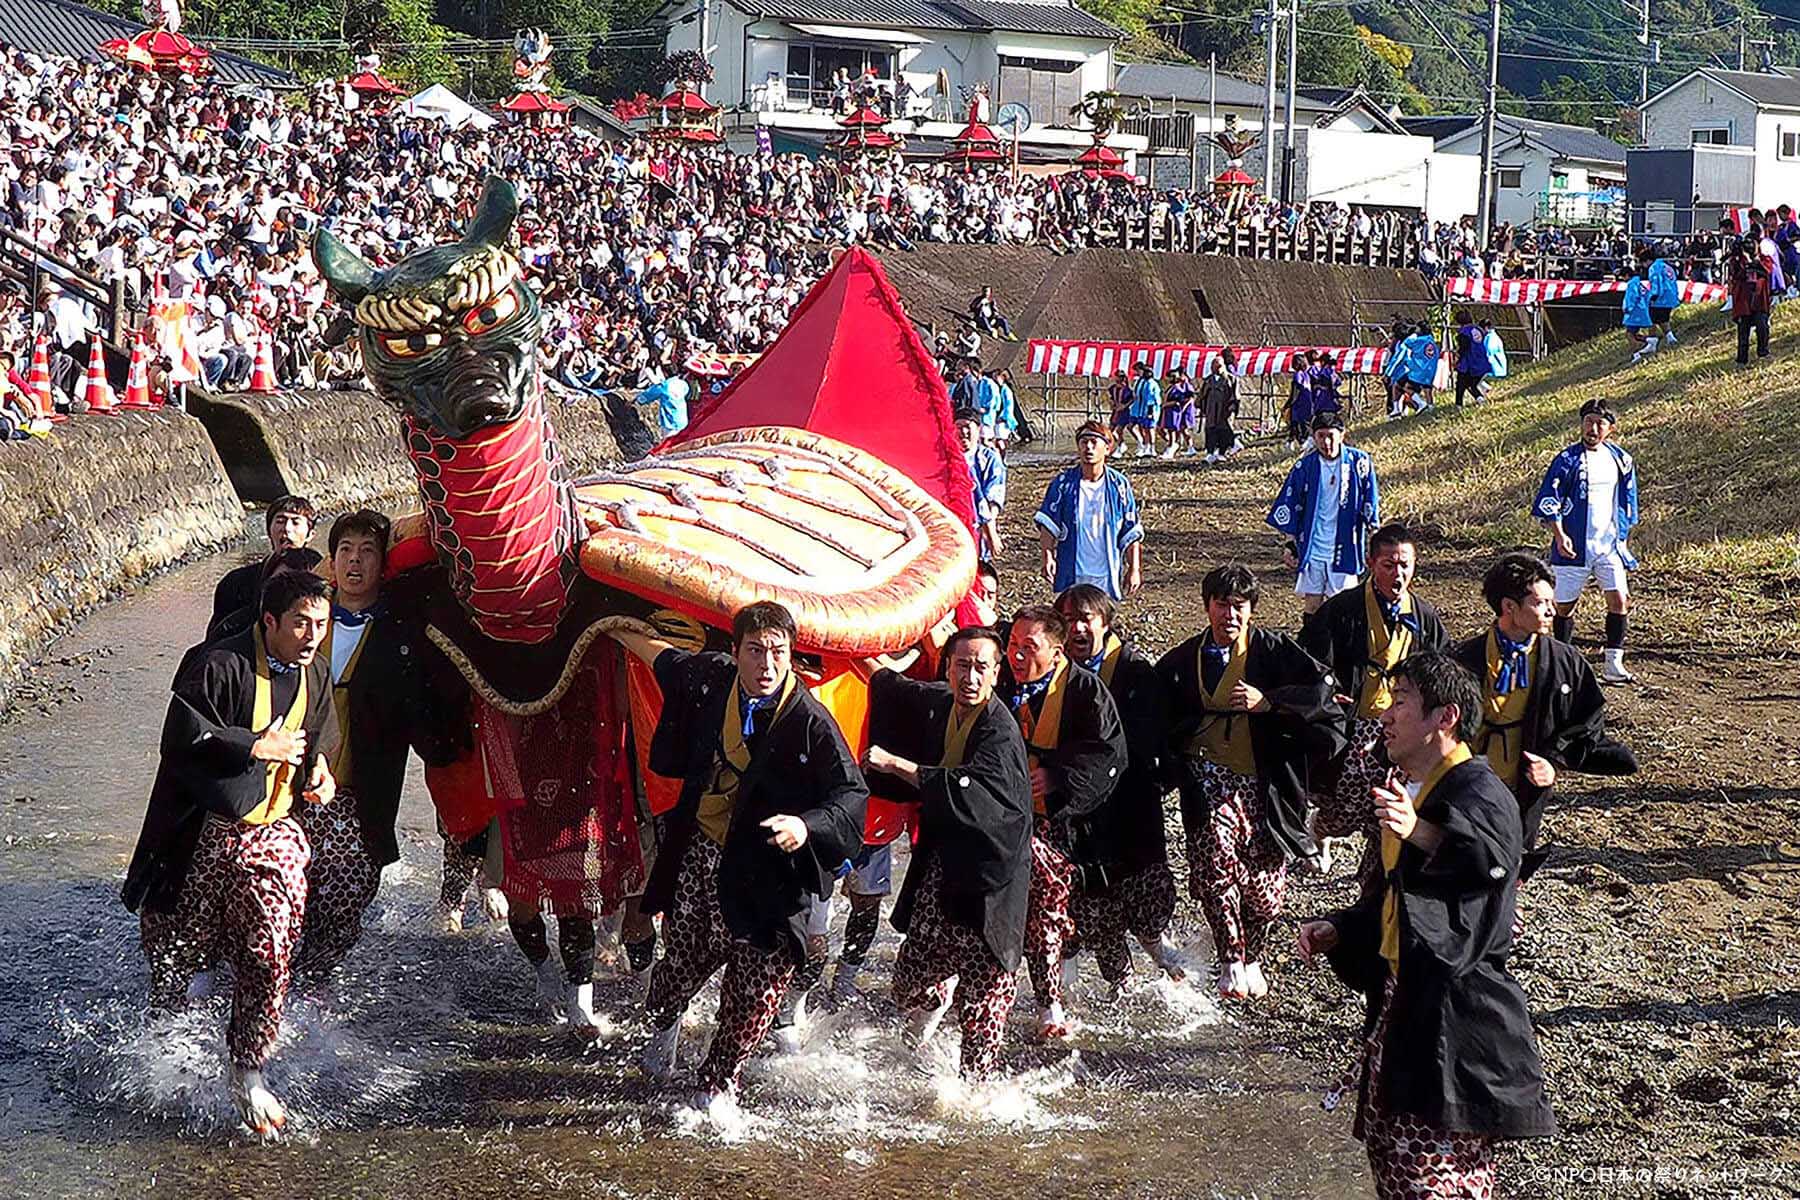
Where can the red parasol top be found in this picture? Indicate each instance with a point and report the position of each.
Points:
(1101, 155)
(686, 102)
(368, 83)
(863, 118)
(159, 50)
(530, 102)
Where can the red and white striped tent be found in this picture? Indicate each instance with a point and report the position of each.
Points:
(1045, 356)
(1537, 291)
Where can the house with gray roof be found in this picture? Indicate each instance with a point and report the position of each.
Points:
(775, 63)
(1545, 173)
(1715, 140)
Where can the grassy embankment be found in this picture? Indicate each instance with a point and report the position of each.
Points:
(1717, 457)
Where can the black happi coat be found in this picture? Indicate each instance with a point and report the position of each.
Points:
(1338, 636)
(1565, 722)
(1085, 765)
(388, 715)
(799, 765)
(1294, 743)
(1128, 836)
(975, 818)
(1460, 1054)
(206, 764)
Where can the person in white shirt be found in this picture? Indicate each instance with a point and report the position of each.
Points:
(1588, 502)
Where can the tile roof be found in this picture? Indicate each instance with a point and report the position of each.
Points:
(1567, 141)
(1051, 16)
(75, 31)
(1160, 81)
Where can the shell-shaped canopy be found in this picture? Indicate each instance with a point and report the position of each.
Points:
(862, 556)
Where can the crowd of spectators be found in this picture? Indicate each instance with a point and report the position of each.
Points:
(645, 254)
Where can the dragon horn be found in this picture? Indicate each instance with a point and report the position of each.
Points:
(494, 215)
(346, 271)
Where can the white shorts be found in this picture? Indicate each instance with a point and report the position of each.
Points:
(1318, 579)
(1608, 570)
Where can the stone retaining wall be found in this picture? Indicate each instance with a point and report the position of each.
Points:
(95, 507)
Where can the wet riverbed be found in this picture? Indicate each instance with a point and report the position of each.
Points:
(423, 1071)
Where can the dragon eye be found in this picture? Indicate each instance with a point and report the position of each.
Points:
(478, 321)
(412, 345)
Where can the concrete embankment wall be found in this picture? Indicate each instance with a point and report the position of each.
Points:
(101, 503)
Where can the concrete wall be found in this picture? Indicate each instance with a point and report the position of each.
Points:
(1699, 103)
(1347, 166)
(100, 504)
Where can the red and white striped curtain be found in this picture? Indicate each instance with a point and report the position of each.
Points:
(1536, 291)
(1045, 356)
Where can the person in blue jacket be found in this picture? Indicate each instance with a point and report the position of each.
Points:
(1326, 509)
(1589, 502)
(1472, 366)
(1637, 317)
(1665, 294)
(1088, 524)
(1412, 366)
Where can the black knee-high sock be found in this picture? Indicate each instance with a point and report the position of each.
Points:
(575, 942)
(529, 932)
(641, 953)
(1615, 631)
(1563, 628)
(859, 933)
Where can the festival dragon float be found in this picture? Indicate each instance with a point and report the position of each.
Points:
(517, 571)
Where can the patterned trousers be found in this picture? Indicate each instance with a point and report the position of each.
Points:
(459, 872)
(1347, 809)
(1240, 871)
(695, 945)
(938, 949)
(1409, 1159)
(242, 902)
(1047, 923)
(1141, 904)
(340, 884)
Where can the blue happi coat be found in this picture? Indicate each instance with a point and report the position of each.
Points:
(1563, 497)
(1665, 289)
(989, 473)
(1637, 303)
(1057, 514)
(1359, 508)
(1415, 359)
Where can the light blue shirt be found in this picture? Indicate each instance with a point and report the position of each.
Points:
(1323, 543)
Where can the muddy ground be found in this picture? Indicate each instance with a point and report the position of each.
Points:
(1660, 951)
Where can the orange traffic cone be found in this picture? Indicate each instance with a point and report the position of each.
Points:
(98, 392)
(137, 377)
(37, 383)
(262, 372)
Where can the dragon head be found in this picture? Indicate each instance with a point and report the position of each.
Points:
(449, 333)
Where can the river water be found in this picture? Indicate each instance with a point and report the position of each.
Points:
(423, 1071)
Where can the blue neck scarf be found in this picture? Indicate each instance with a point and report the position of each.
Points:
(1025, 693)
(751, 705)
(1515, 663)
(1390, 609)
(354, 620)
(277, 667)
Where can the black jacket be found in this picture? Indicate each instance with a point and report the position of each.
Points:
(1294, 743)
(1338, 636)
(1564, 722)
(387, 711)
(206, 764)
(974, 818)
(235, 590)
(799, 765)
(1460, 1055)
(1128, 834)
(1086, 763)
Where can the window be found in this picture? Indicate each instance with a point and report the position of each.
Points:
(812, 70)
(1788, 143)
(1510, 177)
(1048, 87)
(1713, 136)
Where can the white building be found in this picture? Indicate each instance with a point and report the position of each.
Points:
(1713, 140)
(1545, 173)
(775, 62)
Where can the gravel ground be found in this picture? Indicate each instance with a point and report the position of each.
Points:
(1659, 954)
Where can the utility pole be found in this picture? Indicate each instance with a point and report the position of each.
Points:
(1268, 129)
(1742, 34)
(706, 50)
(1212, 112)
(1287, 133)
(1644, 43)
(1484, 215)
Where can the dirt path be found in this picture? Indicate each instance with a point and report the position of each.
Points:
(1660, 956)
